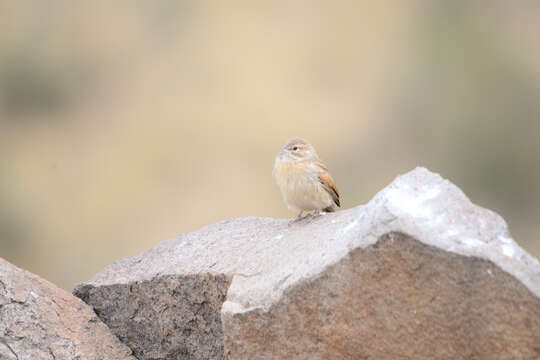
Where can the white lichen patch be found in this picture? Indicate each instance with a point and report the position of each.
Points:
(451, 232)
(508, 250)
(349, 226)
(234, 307)
(472, 242)
(399, 198)
(505, 239)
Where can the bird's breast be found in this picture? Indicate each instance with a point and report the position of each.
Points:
(292, 174)
(299, 186)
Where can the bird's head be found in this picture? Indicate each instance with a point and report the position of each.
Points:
(298, 149)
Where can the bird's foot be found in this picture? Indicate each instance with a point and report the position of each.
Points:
(299, 218)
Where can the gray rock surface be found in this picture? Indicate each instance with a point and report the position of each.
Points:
(40, 321)
(418, 272)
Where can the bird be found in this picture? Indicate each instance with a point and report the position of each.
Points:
(305, 182)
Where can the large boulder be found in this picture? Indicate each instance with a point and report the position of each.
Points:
(40, 321)
(418, 273)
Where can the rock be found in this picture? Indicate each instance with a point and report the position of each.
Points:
(418, 273)
(40, 321)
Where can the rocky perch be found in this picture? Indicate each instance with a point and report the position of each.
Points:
(417, 273)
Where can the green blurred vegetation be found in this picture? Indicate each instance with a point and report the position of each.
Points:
(125, 123)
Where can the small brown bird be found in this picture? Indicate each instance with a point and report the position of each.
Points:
(304, 180)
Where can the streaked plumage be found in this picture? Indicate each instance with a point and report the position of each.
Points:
(303, 179)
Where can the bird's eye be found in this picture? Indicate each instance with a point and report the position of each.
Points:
(295, 148)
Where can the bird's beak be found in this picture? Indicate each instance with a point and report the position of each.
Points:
(282, 151)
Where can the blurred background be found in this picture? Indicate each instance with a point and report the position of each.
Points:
(125, 123)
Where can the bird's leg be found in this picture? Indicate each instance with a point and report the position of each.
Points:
(297, 218)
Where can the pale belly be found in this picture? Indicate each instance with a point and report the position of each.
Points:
(300, 188)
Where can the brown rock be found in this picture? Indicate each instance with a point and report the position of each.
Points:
(166, 316)
(396, 299)
(418, 273)
(40, 321)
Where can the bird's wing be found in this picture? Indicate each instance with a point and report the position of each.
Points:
(327, 182)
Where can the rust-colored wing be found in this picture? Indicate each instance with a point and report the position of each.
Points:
(328, 183)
